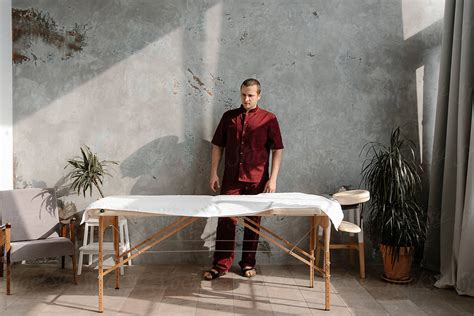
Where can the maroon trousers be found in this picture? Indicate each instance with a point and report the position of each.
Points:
(225, 235)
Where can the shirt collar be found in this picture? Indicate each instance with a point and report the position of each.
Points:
(242, 109)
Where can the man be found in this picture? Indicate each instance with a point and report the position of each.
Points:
(247, 135)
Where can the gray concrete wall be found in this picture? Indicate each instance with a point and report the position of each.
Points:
(145, 83)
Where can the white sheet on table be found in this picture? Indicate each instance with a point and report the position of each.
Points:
(216, 206)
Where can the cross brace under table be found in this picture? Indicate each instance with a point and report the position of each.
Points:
(306, 257)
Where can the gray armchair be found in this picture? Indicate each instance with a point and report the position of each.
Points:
(30, 229)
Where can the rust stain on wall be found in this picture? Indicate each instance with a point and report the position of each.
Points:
(31, 25)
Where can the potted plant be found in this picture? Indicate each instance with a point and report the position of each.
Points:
(396, 221)
(87, 171)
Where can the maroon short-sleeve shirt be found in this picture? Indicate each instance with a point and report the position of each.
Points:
(248, 138)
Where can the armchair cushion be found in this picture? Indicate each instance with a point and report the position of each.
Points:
(41, 248)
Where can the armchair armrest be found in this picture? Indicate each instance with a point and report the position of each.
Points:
(5, 235)
(5, 246)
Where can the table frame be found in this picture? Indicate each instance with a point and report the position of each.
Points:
(109, 219)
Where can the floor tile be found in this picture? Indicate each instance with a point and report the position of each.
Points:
(401, 307)
(179, 290)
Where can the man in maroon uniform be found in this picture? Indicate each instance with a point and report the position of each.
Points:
(247, 134)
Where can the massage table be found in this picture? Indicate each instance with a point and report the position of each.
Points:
(189, 208)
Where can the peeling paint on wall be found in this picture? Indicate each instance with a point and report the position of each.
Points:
(198, 84)
(31, 25)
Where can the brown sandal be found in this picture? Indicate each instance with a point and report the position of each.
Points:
(212, 274)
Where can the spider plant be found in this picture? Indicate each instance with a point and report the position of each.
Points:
(87, 171)
(392, 175)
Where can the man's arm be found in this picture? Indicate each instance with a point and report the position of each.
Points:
(270, 187)
(216, 156)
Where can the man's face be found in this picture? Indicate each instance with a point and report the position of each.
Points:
(249, 97)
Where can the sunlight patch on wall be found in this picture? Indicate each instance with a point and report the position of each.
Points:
(211, 53)
(420, 73)
(420, 14)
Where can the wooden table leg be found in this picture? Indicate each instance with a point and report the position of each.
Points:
(117, 250)
(101, 263)
(326, 223)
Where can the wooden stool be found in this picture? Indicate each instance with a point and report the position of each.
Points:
(89, 247)
(351, 200)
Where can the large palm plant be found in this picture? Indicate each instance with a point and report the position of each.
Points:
(87, 171)
(392, 174)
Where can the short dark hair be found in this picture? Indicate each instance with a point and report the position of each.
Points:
(251, 82)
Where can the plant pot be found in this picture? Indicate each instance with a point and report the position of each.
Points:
(397, 271)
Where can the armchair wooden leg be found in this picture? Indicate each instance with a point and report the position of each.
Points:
(9, 268)
(63, 234)
(74, 268)
(1, 262)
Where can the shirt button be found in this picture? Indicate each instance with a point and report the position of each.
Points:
(241, 153)
(242, 143)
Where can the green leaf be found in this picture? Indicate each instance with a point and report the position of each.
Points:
(87, 172)
(391, 174)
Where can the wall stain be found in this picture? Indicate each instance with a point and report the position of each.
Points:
(196, 78)
(315, 13)
(349, 57)
(217, 79)
(200, 85)
(31, 25)
(176, 87)
(244, 36)
(310, 54)
(228, 104)
(191, 84)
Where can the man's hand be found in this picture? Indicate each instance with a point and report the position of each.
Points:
(214, 183)
(270, 187)
(216, 155)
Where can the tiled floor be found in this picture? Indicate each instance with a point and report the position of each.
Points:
(178, 290)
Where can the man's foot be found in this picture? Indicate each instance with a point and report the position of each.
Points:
(249, 272)
(211, 274)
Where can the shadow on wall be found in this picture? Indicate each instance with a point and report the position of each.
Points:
(75, 43)
(167, 166)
